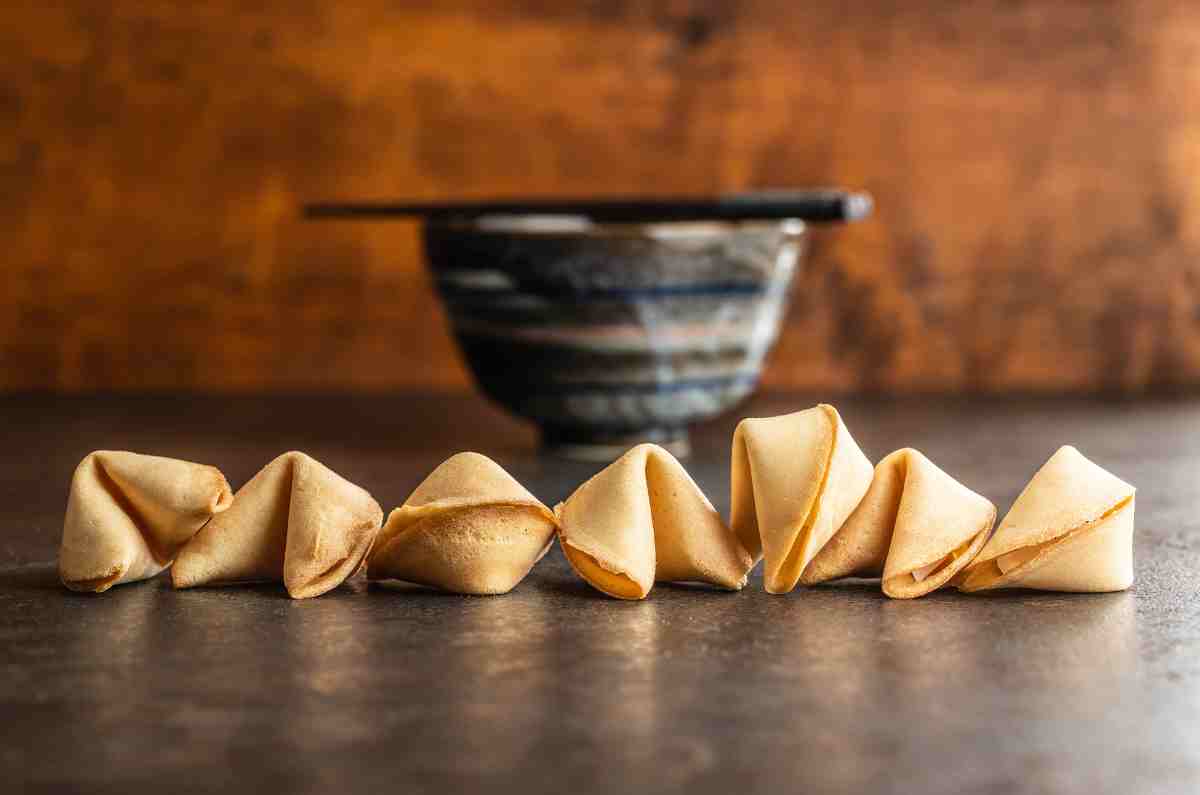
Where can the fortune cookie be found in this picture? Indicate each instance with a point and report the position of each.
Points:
(916, 526)
(296, 521)
(643, 519)
(468, 528)
(129, 514)
(1071, 529)
(794, 481)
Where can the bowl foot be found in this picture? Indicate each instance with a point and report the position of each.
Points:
(597, 445)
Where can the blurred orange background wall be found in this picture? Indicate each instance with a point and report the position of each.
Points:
(1036, 167)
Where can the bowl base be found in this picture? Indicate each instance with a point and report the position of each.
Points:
(605, 446)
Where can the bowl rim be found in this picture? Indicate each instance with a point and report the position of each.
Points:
(577, 226)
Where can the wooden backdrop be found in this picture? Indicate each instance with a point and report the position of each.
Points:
(1036, 166)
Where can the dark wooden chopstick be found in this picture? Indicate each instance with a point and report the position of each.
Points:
(807, 205)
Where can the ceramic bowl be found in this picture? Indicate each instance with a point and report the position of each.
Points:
(607, 335)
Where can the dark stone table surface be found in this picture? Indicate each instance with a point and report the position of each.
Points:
(557, 689)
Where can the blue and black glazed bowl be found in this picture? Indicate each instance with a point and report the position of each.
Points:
(607, 335)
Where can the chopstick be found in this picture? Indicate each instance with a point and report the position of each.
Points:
(823, 205)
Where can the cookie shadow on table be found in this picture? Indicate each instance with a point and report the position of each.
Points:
(414, 590)
(43, 577)
(573, 587)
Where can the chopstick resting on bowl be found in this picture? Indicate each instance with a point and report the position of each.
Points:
(823, 205)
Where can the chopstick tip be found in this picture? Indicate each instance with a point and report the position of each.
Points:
(859, 206)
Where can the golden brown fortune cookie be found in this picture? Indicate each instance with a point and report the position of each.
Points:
(296, 521)
(468, 528)
(129, 514)
(1071, 529)
(643, 519)
(794, 480)
(916, 526)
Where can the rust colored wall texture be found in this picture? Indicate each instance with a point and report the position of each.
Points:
(1036, 166)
